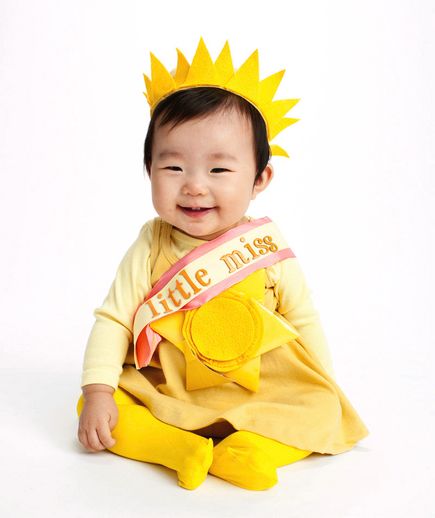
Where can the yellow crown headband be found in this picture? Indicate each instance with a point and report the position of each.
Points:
(220, 74)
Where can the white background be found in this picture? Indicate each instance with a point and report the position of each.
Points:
(354, 201)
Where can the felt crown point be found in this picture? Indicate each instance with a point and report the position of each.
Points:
(244, 81)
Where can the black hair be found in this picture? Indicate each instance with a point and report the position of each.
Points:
(197, 102)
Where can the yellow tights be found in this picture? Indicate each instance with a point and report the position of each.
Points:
(243, 458)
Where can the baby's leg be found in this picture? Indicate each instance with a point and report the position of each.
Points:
(250, 460)
(140, 436)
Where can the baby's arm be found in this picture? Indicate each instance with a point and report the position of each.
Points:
(109, 341)
(294, 303)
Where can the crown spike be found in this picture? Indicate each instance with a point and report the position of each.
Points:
(278, 151)
(246, 79)
(162, 80)
(224, 64)
(202, 69)
(182, 68)
(278, 109)
(269, 85)
(279, 125)
(149, 89)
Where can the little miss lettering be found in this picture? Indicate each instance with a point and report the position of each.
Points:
(186, 286)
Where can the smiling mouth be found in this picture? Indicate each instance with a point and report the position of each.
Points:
(196, 208)
(196, 211)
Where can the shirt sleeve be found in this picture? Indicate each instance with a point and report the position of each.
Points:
(296, 306)
(112, 331)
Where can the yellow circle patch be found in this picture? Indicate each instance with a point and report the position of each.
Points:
(225, 332)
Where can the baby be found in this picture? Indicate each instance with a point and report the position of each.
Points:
(207, 355)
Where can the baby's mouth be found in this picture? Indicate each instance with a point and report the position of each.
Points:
(196, 211)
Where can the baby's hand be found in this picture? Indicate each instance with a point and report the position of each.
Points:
(98, 418)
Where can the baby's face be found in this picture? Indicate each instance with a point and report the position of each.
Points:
(202, 173)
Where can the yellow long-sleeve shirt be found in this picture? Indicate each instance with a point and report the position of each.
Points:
(112, 332)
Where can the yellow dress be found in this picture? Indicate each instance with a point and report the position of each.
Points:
(296, 402)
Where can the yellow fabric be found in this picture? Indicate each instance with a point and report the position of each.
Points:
(249, 460)
(140, 436)
(217, 344)
(227, 334)
(204, 273)
(244, 82)
(108, 343)
(243, 458)
(298, 403)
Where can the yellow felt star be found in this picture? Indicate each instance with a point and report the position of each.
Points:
(223, 340)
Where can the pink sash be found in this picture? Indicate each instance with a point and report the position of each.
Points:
(203, 273)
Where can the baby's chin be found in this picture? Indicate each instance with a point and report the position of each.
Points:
(214, 233)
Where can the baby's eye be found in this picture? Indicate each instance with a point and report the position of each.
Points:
(219, 169)
(173, 168)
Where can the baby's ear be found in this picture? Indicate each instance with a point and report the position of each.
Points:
(263, 180)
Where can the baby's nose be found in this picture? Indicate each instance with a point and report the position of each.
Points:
(195, 185)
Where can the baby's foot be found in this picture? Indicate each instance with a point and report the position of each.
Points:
(245, 465)
(195, 468)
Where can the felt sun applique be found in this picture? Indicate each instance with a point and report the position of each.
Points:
(223, 340)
